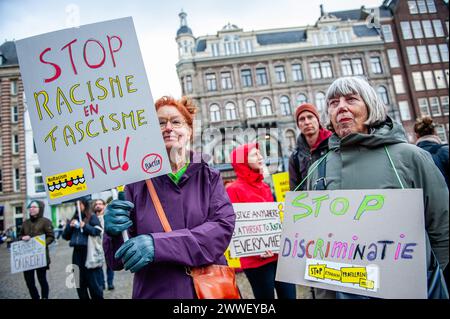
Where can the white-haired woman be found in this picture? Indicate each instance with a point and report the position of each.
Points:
(364, 135)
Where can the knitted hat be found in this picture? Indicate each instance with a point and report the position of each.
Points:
(306, 107)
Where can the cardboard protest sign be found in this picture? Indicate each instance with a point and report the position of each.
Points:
(366, 242)
(27, 255)
(91, 109)
(257, 229)
(281, 185)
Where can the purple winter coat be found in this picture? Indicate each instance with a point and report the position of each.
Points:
(202, 220)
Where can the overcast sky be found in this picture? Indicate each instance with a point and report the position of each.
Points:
(156, 23)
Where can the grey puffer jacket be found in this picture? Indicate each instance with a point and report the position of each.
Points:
(359, 161)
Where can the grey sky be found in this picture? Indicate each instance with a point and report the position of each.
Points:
(157, 21)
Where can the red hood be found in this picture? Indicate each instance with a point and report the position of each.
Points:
(323, 135)
(239, 161)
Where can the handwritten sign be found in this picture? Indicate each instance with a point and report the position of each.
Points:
(366, 242)
(257, 229)
(281, 185)
(91, 109)
(27, 255)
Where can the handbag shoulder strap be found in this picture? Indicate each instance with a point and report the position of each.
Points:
(158, 206)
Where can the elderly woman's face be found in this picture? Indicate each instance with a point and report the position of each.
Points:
(175, 131)
(348, 114)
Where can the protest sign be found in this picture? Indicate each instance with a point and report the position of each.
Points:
(27, 255)
(257, 229)
(366, 242)
(281, 185)
(91, 109)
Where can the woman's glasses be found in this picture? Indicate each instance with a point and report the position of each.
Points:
(175, 122)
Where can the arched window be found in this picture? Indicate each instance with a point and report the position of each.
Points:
(266, 107)
(320, 102)
(383, 94)
(230, 111)
(214, 111)
(290, 138)
(301, 98)
(285, 105)
(250, 107)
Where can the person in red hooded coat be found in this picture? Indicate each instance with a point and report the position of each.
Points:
(249, 187)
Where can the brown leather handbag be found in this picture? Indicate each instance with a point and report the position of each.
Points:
(210, 282)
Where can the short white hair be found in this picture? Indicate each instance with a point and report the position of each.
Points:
(376, 109)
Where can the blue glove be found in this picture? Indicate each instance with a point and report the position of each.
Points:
(136, 252)
(117, 217)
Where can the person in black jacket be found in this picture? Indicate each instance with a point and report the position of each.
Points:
(77, 232)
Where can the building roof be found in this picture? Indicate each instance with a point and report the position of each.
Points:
(357, 14)
(281, 37)
(8, 51)
(184, 30)
(201, 45)
(364, 31)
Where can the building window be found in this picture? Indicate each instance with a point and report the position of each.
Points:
(440, 131)
(1, 181)
(398, 84)
(280, 74)
(431, 6)
(417, 29)
(434, 106)
(261, 76)
(290, 137)
(14, 114)
(383, 94)
(404, 110)
(301, 99)
(16, 180)
(226, 80)
(215, 49)
(211, 83)
(418, 81)
(188, 84)
(315, 70)
(352, 67)
(321, 70)
(38, 181)
(13, 87)
(429, 81)
(246, 77)
(230, 111)
(423, 107)
(375, 62)
(427, 29)
(406, 30)
(297, 74)
(412, 7)
(393, 58)
(438, 29)
(248, 46)
(421, 6)
(440, 79)
(285, 105)
(214, 112)
(266, 107)
(326, 70)
(412, 55)
(387, 33)
(346, 67)
(423, 55)
(15, 144)
(250, 107)
(434, 53)
(320, 102)
(443, 49)
(444, 104)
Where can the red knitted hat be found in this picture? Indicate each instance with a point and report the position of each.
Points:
(306, 107)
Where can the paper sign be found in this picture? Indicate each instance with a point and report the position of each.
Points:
(257, 229)
(27, 255)
(366, 242)
(92, 113)
(281, 185)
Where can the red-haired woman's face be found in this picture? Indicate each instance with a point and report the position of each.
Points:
(175, 131)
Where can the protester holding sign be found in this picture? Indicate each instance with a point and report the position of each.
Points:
(249, 187)
(370, 151)
(77, 231)
(197, 208)
(35, 226)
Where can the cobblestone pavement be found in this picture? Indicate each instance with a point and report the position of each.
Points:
(12, 286)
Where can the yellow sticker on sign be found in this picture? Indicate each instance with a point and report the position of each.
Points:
(332, 274)
(353, 274)
(66, 183)
(317, 271)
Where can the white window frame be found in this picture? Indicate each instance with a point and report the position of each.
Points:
(417, 29)
(431, 6)
(434, 53)
(375, 64)
(230, 111)
(403, 107)
(251, 109)
(214, 114)
(411, 52)
(421, 6)
(297, 73)
(285, 105)
(423, 106)
(398, 83)
(435, 107)
(266, 107)
(418, 81)
(387, 33)
(427, 29)
(438, 28)
(412, 5)
(14, 113)
(406, 30)
(16, 179)
(440, 131)
(428, 78)
(444, 104)
(440, 79)
(280, 74)
(15, 144)
(39, 185)
(443, 50)
(393, 58)
(423, 54)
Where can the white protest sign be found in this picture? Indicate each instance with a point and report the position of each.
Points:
(257, 229)
(366, 242)
(91, 109)
(27, 255)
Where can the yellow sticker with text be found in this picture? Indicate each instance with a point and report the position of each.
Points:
(369, 284)
(317, 271)
(66, 183)
(353, 274)
(332, 274)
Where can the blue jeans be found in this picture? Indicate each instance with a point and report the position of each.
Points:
(262, 280)
(109, 277)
